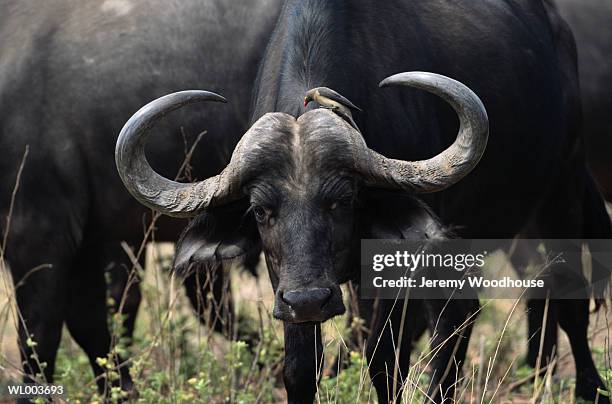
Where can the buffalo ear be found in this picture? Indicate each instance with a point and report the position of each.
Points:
(395, 215)
(220, 235)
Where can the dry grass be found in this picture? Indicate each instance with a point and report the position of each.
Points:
(167, 331)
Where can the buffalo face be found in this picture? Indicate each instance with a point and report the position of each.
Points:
(303, 201)
(299, 180)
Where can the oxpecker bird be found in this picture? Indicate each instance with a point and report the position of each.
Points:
(328, 98)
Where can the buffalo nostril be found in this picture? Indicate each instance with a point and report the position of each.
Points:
(307, 298)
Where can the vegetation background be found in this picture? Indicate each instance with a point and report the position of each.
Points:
(175, 359)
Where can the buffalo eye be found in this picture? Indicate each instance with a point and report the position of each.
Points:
(343, 202)
(260, 213)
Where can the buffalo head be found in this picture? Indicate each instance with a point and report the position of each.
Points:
(299, 181)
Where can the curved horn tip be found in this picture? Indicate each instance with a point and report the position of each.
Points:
(190, 96)
(220, 98)
(415, 76)
(208, 95)
(173, 101)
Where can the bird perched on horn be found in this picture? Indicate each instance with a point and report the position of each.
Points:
(328, 98)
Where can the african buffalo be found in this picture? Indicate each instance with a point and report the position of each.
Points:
(71, 74)
(588, 21)
(304, 185)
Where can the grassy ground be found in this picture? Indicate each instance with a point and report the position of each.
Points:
(176, 360)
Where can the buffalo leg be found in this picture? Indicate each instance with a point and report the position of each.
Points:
(566, 216)
(86, 315)
(451, 326)
(303, 361)
(41, 301)
(41, 246)
(575, 318)
(40, 291)
(124, 287)
(542, 336)
(209, 293)
(575, 322)
(388, 369)
(597, 229)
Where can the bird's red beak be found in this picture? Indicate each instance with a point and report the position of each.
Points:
(306, 101)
